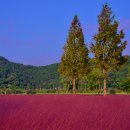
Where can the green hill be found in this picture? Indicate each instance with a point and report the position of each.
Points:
(27, 76)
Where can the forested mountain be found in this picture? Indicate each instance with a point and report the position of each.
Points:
(26, 76)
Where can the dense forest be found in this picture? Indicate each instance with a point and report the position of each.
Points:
(26, 76)
(47, 77)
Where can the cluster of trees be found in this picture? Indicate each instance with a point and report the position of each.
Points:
(107, 50)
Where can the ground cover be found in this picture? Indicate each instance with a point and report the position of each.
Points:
(64, 112)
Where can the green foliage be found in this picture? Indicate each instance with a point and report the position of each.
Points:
(9, 91)
(94, 77)
(31, 91)
(112, 91)
(126, 84)
(51, 91)
(19, 91)
(2, 91)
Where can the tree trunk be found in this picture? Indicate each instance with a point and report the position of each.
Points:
(74, 86)
(105, 87)
(66, 89)
(99, 91)
(5, 91)
(105, 83)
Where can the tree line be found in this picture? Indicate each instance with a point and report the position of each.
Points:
(18, 78)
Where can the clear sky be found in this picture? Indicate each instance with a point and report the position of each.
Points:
(33, 32)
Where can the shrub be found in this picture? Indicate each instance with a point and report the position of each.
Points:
(112, 91)
(18, 91)
(40, 91)
(51, 91)
(8, 91)
(2, 91)
(31, 91)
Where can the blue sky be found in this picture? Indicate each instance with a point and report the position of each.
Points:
(33, 32)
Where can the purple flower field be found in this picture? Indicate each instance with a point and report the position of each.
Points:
(64, 112)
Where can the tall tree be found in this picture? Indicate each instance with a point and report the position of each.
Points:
(75, 58)
(109, 45)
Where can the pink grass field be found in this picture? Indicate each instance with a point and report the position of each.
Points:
(64, 112)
